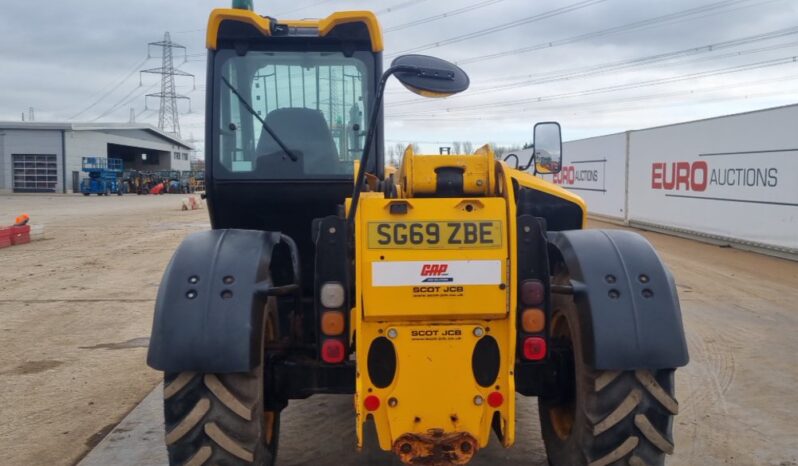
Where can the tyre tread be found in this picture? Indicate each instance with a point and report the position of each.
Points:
(188, 422)
(227, 443)
(175, 386)
(622, 450)
(649, 382)
(226, 397)
(606, 378)
(626, 407)
(199, 458)
(652, 434)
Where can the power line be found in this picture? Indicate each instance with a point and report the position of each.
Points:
(188, 31)
(113, 88)
(620, 87)
(712, 7)
(519, 22)
(698, 49)
(288, 12)
(146, 110)
(398, 6)
(124, 101)
(446, 14)
(612, 102)
(593, 70)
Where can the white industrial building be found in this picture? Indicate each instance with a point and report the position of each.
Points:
(46, 157)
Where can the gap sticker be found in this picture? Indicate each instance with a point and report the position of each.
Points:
(410, 273)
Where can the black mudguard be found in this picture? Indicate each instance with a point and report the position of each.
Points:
(209, 309)
(626, 299)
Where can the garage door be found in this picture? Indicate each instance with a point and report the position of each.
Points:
(35, 173)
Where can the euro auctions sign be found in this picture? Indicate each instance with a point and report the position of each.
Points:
(595, 169)
(733, 177)
(589, 177)
(701, 175)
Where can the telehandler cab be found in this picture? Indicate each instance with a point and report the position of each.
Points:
(434, 294)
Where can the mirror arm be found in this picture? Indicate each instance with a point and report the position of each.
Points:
(364, 159)
(531, 161)
(506, 158)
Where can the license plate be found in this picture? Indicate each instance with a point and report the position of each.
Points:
(435, 235)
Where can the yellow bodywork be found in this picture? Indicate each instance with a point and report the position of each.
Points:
(434, 327)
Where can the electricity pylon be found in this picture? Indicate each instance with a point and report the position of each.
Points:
(168, 120)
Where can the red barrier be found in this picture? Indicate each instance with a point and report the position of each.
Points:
(5, 237)
(20, 235)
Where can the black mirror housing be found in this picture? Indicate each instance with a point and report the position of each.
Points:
(430, 76)
(547, 147)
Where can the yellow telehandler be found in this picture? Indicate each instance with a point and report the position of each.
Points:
(434, 294)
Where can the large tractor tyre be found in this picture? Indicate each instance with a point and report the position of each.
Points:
(219, 419)
(603, 418)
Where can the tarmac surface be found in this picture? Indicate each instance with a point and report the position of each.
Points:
(75, 313)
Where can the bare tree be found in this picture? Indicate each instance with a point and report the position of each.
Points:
(394, 153)
(498, 151)
(400, 149)
(456, 146)
(468, 147)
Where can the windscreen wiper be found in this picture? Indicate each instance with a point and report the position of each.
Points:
(252, 111)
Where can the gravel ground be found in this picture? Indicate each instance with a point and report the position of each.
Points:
(76, 309)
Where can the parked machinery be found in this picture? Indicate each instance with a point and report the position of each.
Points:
(104, 176)
(190, 181)
(139, 182)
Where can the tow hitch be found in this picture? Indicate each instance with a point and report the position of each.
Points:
(436, 448)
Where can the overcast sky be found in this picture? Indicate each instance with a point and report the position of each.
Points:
(596, 66)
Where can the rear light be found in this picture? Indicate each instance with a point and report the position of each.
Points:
(332, 351)
(534, 348)
(533, 320)
(331, 295)
(332, 323)
(495, 399)
(532, 292)
(371, 403)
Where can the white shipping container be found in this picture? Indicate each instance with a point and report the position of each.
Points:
(733, 177)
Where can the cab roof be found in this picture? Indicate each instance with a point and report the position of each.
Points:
(337, 24)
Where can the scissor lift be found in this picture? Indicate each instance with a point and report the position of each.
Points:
(104, 176)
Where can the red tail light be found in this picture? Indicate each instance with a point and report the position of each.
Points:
(333, 351)
(534, 348)
(532, 292)
(495, 399)
(371, 403)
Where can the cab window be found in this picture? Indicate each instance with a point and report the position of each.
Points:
(314, 102)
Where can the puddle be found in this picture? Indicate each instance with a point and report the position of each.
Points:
(34, 367)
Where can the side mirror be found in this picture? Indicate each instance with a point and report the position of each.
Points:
(430, 76)
(424, 75)
(547, 148)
